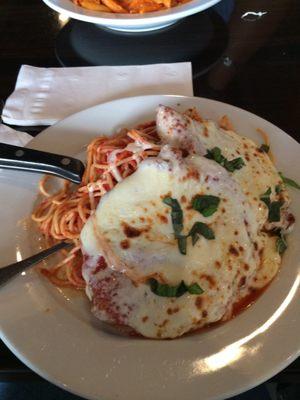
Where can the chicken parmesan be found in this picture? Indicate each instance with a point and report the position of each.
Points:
(190, 233)
(176, 223)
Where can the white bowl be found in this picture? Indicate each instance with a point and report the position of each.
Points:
(131, 22)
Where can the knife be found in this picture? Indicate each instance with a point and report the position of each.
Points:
(24, 159)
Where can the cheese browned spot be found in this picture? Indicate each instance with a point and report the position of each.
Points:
(171, 311)
(233, 250)
(130, 231)
(162, 218)
(241, 259)
(198, 302)
(218, 264)
(125, 244)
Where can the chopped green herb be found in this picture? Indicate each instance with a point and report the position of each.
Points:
(182, 243)
(206, 204)
(278, 189)
(164, 290)
(176, 214)
(194, 288)
(195, 239)
(273, 206)
(281, 244)
(177, 222)
(236, 163)
(265, 197)
(274, 211)
(267, 192)
(264, 148)
(199, 228)
(289, 182)
(216, 155)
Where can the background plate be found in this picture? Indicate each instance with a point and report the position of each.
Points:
(52, 331)
(131, 22)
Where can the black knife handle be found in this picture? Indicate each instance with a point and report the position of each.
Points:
(24, 159)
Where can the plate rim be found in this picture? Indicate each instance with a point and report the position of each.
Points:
(43, 373)
(132, 20)
(168, 96)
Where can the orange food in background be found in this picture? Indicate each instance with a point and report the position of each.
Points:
(128, 6)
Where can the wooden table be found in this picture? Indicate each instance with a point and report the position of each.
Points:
(258, 69)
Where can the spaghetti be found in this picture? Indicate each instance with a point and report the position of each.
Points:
(61, 216)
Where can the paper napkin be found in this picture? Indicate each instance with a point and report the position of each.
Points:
(43, 96)
(11, 136)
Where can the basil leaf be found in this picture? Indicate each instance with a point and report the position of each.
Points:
(264, 148)
(169, 201)
(195, 238)
(182, 244)
(153, 284)
(176, 214)
(265, 197)
(274, 206)
(177, 222)
(161, 289)
(181, 289)
(216, 155)
(236, 163)
(207, 205)
(274, 211)
(267, 192)
(165, 290)
(195, 289)
(278, 189)
(289, 182)
(281, 245)
(199, 228)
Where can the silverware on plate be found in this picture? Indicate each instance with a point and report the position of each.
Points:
(24, 159)
(8, 272)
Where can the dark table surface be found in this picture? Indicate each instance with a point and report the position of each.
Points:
(252, 61)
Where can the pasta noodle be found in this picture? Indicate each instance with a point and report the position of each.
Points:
(128, 6)
(61, 216)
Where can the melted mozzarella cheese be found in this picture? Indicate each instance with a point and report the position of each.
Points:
(130, 238)
(132, 229)
(255, 177)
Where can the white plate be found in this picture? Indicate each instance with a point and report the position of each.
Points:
(53, 332)
(131, 22)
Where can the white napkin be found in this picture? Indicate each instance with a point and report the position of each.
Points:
(43, 96)
(10, 136)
